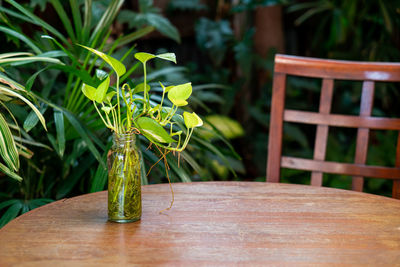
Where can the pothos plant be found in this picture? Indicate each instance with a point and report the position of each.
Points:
(129, 110)
(124, 109)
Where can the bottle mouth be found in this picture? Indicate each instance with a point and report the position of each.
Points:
(124, 137)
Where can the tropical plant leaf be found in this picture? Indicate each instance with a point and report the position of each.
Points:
(59, 121)
(167, 56)
(126, 39)
(107, 18)
(9, 172)
(109, 97)
(152, 130)
(36, 20)
(192, 120)
(11, 213)
(178, 94)
(89, 91)
(144, 57)
(66, 186)
(99, 180)
(228, 127)
(107, 109)
(15, 94)
(101, 90)
(31, 80)
(163, 25)
(115, 64)
(64, 19)
(101, 74)
(32, 119)
(8, 149)
(21, 37)
(140, 88)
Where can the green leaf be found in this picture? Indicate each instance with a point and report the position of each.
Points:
(11, 213)
(22, 38)
(89, 91)
(15, 94)
(101, 91)
(115, 64)
(109, 97)
(83, 132)
(166, 89)
(99, 180)
(168, 56)
(228, 127)
(59, 121)
(163, 26)
(31, 79)
(32, 119)
(153, 131)
(32, 18)
(192, 120)
(133, 36)
(8, 149)
(66, 186)
(8, 203)
(144, 57)
(9, 172)
(178, 94)
(106, 109)
(140, 88)
(64, 18)
(101, 74)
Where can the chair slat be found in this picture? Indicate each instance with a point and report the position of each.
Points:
(340, 168)
(350, 121)
(276, 128)
(322, 130)
(367, 99)
(338, 69)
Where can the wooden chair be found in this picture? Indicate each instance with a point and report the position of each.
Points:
(328, 71)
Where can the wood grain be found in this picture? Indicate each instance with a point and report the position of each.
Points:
(339, 69)
(321, 136)
(212, 224)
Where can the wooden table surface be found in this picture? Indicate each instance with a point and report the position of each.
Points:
(212, 224)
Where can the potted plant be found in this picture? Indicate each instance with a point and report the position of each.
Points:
(128, 112)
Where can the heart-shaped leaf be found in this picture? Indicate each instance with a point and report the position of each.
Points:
(153, 131)
(106, 109)
(109, 97)
(178, 94)
(101, 74)
(178, 118)
(89, 91)
(144, 57)
(192, 120)
(102, 90)
(167, 56)
(140, 88)
(117, 66)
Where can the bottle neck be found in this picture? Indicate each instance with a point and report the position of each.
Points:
(123, 139)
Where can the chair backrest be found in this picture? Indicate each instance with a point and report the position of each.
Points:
(328, 71)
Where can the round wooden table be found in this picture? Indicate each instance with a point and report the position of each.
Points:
(212, 224)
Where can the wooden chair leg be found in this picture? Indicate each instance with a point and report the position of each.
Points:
(396, 189)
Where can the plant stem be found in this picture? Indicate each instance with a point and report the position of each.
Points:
(145, 88)
(119, 108)
(101, 116)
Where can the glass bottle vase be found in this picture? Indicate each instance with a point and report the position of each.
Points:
(124, 179)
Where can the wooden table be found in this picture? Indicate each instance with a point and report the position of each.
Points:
(212, 224)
